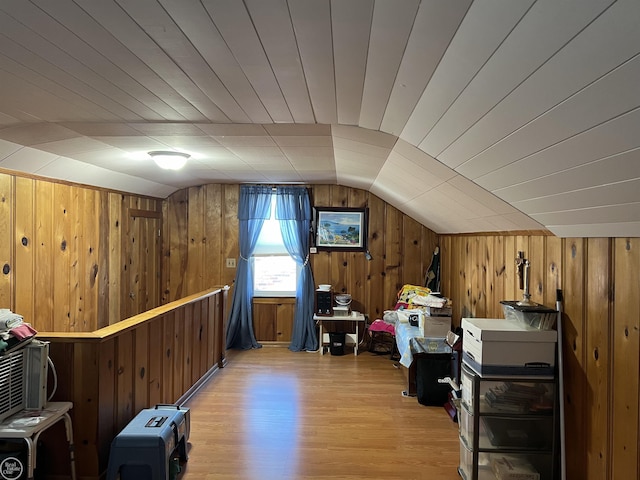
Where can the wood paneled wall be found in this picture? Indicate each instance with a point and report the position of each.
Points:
(600, 281)
(400, 247)
(201, 232)
(75, 258)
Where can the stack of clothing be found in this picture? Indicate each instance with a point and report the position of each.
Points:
(13, 330)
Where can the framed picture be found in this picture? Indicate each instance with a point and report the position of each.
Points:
(341, 228)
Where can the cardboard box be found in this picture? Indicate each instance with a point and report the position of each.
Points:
(439, 311)
(434, 327)
(511, 467)
(430, 327)
(496, 346)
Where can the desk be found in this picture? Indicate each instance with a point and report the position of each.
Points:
(29, 424)
(323, 338)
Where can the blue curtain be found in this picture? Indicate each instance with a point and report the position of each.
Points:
(293, 210)
(254, 208)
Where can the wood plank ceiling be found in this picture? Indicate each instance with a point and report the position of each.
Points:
(483, 116)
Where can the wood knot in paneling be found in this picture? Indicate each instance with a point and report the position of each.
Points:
(24, 241)
(6, 269)
(63, 245)
(142, 372)
(94, 274)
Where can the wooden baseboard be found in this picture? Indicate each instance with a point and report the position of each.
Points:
(198, 385)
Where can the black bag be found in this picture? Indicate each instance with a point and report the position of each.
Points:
(429, 369)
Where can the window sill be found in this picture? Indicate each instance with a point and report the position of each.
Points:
(274, 300)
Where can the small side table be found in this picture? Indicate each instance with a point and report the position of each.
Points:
(29, 424)
(356, 317)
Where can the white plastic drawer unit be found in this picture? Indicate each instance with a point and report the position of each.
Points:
(496, 346)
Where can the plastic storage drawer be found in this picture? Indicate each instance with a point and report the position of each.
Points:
(466, 464)
(532, 395)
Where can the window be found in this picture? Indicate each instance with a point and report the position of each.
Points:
(275, 273)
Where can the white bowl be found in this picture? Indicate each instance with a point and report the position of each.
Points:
(342, 299)
(323, 287)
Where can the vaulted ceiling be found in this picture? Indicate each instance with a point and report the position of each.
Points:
(483, 116)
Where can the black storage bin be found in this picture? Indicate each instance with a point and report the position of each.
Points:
(13, 459)
(429, 369)
(336, 343)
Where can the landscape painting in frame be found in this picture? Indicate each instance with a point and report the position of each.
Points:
(341, 228)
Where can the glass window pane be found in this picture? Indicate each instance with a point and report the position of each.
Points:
(270, 239)
(274, 275)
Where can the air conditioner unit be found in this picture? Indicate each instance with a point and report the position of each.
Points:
(11, 383)
(23, 379)
(36, 370)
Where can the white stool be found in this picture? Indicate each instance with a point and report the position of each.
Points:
(29, 424)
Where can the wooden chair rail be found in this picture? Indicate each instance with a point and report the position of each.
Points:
(127, 324)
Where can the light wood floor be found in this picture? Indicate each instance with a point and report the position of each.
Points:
(275, 414)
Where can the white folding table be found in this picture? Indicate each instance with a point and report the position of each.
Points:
(355, 317)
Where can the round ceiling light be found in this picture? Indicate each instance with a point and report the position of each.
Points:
(169, 160)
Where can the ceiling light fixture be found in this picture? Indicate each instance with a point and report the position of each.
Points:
(169, 160)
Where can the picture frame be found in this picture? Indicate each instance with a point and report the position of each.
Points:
(341, 228)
